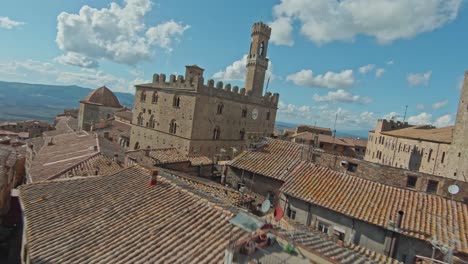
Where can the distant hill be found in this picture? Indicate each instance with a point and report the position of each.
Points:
(19, 101)
(363, 134)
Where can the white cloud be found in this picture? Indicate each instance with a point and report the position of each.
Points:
(443, 121)
(420, 106)
(76, 59)
(117, 33)
(392, 116)
(237, 71)
(366, 68)
(438, 105)
(390, 62)
(324, 21)
(421, 119)
(281, 32)
(379, 72)
(328, 80)
(44, 72)
(416, 79)
(7, 23)
(341, 96)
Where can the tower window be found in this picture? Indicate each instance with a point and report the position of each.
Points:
(176, 101)
(216, 133)
(242, 134)
(443, 157)
(220, 109)
(143, 96)
(268, 115)
(261, 51)
(429, 156)
(152, 122)
(173, 127)
(155, 98)
(140, 119)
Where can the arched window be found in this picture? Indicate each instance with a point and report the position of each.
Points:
(155, 98)
(173, 127)
(216, 133)
(242, 134)
(244, 112)
(220, 109)
(137, 146)
(152, 122)
(176, 101)
(143, 96)
(140, 119)
(261, 51)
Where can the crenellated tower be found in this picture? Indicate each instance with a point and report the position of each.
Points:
(257, 62)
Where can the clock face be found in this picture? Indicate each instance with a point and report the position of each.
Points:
(254, 114)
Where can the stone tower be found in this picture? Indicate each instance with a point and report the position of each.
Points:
(459, 147)
(257, 62)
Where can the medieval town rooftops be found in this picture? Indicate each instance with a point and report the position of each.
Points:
(271, 160)
(424, 132)
(62, 153)
(314, 128)
(103, 97)
(152, 157)
(425, 216)
(120, 218)
(355, 142)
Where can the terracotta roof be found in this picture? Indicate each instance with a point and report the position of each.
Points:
(272, 160)
(330, 140)
(8, 133)
(199, 160)
(66, 151)
(23, 134)
(121, 219)
(424, 215)
(95, 165)
(355, 142)
(426, 133)
(64, 124)
(125, 114)
(104, 97)
(159, 156)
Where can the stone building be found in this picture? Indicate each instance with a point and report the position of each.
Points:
(99, 105)
(424, 148)
(203, 118)
(32, 128)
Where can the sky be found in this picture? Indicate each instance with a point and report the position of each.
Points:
(354, 60)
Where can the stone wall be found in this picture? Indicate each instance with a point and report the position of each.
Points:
(393, 176)
(90, 115)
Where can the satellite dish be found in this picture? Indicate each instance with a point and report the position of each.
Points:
(265, 206)
(453, 189)
(278, 214)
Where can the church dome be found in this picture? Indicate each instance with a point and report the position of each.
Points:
(104, 97)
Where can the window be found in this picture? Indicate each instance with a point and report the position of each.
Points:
(291, 213)
(242, 134)
(262, 49)
(143, 96)
(173, 127)
(338, 234)
(352, 167)
(140, 119)
(152, 122)
(322, 227)
(155, 98)
(411, 181)
(459, 154)
(443, 157)
(432, 186)
(429, 156)
(220, 109)
(244, 113)
(268, 115)
(176, 101)
(216, 133)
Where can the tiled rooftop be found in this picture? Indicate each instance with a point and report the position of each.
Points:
(95, 165)
(273, 159)
(199, 160)
(425, 215)
(121, 219)
(442, 135)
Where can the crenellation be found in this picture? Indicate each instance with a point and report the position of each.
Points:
(155, 78)
(180, 79)
(210, 83)
(162, 78)
(227, 87)
(219, 85)
(172, 78)
(242, 91)
(235, 89)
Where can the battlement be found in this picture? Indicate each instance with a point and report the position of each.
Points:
(389, 125)
(179, 82)
(261, 28)
(226, 91)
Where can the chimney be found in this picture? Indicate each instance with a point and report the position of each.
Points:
(399, 219)
(147, 152)
(154, 177)
(394, 240)
(51, 142)
(116, 157)
(96, 171)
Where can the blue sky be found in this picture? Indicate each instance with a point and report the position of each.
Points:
(362, 59)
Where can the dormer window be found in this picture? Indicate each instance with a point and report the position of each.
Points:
(268, 115)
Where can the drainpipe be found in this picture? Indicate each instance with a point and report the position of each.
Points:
(393, 245)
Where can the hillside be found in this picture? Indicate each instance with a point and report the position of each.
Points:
(19, 101)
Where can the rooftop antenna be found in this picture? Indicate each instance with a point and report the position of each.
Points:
(334, 132)
(404, 117)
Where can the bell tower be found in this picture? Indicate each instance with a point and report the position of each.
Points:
(459, 147)
(257, 62)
